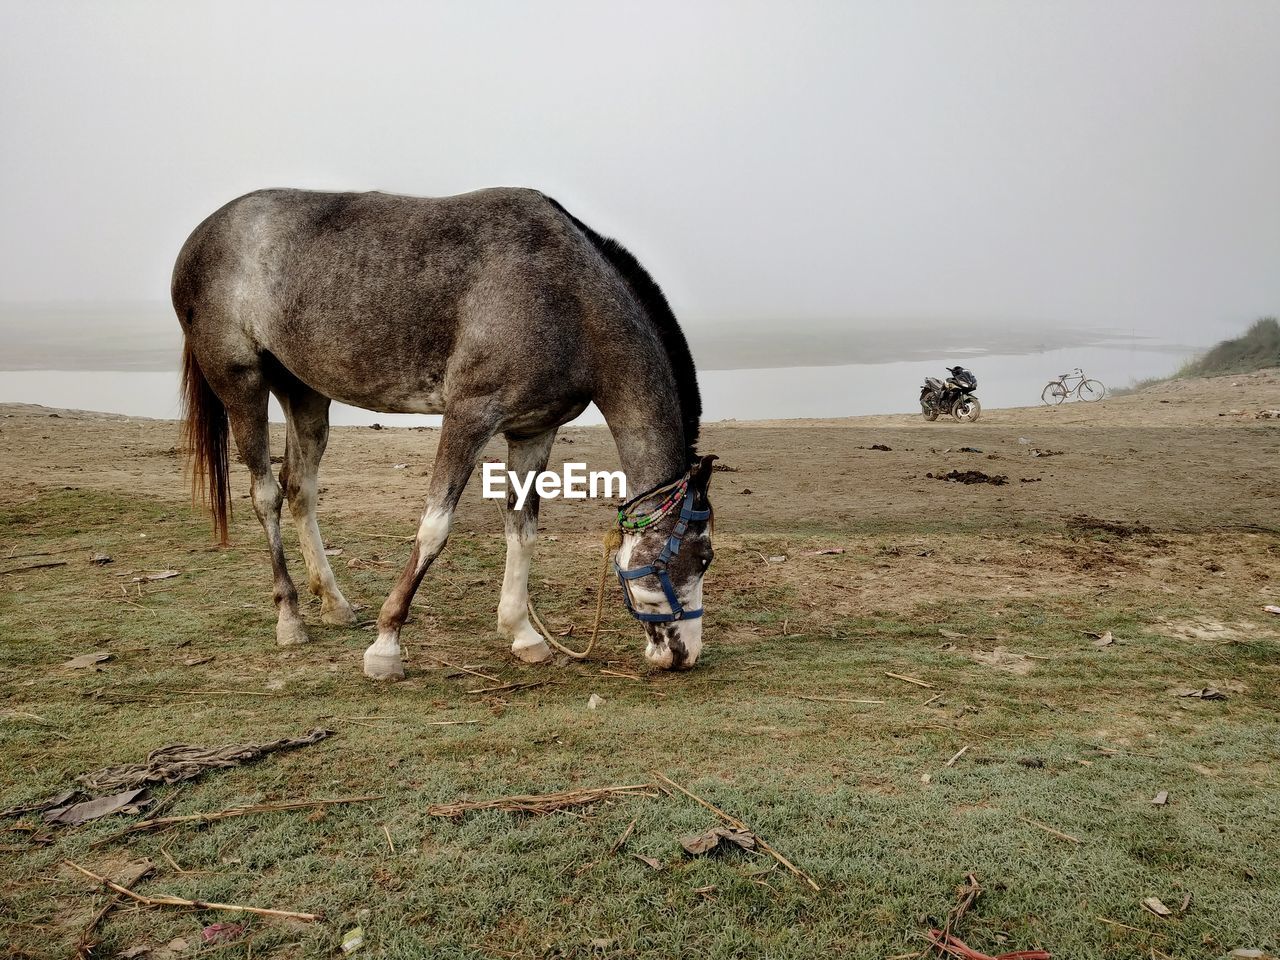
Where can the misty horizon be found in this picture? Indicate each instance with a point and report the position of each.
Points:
(146, 336)
(1091, 166)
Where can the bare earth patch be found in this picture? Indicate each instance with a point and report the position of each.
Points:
(902, 684)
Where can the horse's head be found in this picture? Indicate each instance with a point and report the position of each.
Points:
(665, 552)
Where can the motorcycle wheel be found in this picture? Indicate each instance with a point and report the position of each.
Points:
(966, 409)
(929, 413)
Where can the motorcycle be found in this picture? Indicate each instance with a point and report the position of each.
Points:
(954, 397)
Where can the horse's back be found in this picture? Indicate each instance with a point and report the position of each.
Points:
(368, 297)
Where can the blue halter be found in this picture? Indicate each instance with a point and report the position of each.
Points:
(659, 569)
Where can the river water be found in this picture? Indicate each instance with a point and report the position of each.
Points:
(125, 361)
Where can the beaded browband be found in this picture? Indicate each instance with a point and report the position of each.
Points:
(676, 492)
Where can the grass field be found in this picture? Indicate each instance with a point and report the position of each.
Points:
(1050, 805)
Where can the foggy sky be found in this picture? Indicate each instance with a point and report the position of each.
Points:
(1108, 164)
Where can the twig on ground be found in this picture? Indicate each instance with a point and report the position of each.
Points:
(199, 690)
(1125, 926)
(164, 900)
(387, 834)
(511, 686)
(425, 723)
(800, 696)
(918, 683)
(617, 845)
(541, 803)
(622, 838)
(959, 753)
(172, 862)
(85, 943)
(969, 894)
(735, 822)
(474, 673)
(43, 553)
(620, 674)
(953, 946)
(33, 566)
(1050, 830)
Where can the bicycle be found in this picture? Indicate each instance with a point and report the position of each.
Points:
(1083, 388)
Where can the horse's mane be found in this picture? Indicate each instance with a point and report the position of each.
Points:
(655, 305)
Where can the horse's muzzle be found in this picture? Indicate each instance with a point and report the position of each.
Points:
(674, 646)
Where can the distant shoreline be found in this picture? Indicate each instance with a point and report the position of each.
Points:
(144, 337)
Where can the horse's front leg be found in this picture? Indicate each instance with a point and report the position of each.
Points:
(465, 431)
(523, 456)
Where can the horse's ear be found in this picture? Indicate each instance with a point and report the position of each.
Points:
(702, 470)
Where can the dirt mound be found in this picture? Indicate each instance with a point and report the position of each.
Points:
(970, 476)
(1082, 523)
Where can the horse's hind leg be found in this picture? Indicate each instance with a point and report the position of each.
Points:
(247, 411)
(307, 413)
(523, 456)
(466, 429)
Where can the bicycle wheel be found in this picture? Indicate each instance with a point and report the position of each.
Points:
(1054, 393)
(1090, 391)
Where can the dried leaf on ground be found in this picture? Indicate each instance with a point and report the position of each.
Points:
(1271, 608)
(99, 559)
(1105, 640)
(87, 660)
(1161, 798)
(709, 840)
(649, 862)
(1199, 693)
(1155, 906)
(168, 951)
(151, 577)
(57, 800)
(77, 813)
(222, 932)
(1002, 659)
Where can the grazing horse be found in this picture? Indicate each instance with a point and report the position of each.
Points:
(498, 309)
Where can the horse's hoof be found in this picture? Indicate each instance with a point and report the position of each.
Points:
(340, 615)
(538, 652)
(381, 666)
(291, 633)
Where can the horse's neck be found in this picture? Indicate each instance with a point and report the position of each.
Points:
(649, 434)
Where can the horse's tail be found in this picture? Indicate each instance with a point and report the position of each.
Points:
(205, 436)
